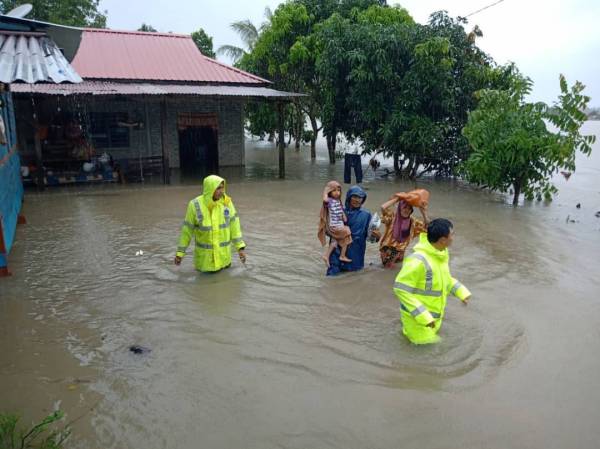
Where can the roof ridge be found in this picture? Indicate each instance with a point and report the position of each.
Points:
(235, 69)
(143, 33)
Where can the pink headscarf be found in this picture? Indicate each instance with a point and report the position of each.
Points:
(401, 224)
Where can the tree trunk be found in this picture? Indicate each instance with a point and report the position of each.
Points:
(409, 167)
(280, 124)
(331, 141)
(299, 126)
(415, 168)
(313, 140)
(517, 186)
(397, 167)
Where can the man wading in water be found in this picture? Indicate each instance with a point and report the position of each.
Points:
(212, 220)
(424, 282)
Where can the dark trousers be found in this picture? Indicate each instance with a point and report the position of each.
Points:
(352, 160)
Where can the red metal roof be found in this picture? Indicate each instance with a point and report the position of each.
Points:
(136, 55)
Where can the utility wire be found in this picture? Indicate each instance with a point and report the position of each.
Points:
(484, 8)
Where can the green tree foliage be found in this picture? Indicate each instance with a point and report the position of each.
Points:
(286, 52)
(83, 13)
(249, 34)
(204, 43)
(273, 58)
(402, 88)
(512, 145)
(355, 64)
(147, 28)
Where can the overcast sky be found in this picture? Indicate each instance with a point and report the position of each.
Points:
(543, 37)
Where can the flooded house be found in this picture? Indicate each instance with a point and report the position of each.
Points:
(29, 54)
(151, 106)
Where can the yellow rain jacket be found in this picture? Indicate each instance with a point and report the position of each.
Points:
(422, 286)
(215, 227)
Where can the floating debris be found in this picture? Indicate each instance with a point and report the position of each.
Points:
(137, 349)
(598, 214)
(578, 206)
(139, 253)
(566, 174)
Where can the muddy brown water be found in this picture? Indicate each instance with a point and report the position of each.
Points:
(276, 355)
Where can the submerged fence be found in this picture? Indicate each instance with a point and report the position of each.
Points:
(11, 186)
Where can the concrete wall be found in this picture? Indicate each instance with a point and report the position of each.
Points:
(231, 128)
(147, 141)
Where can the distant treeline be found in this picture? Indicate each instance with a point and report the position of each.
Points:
(593, 113)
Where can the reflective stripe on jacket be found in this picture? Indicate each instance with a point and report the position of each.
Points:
(215, 227)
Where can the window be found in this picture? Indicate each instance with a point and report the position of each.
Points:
(106, 132)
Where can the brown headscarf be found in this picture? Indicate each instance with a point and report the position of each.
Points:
(324, 214)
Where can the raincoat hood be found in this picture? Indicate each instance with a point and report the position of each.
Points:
(425, 247)
(209, 185)
(355, 191)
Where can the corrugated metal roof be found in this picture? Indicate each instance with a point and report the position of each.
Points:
(32, 58)
(108, 54)
(115, 88)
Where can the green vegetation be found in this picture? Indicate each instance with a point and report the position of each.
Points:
(374, 75)
(44, 435)
(147, 28)
(401, 88)
(286, 51)
(425, 95)
(593, 114)
(204, 43)
(512, 146)
(249, 33)
(80, 13)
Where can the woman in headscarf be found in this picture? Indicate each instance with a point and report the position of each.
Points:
(358, 222)
(400, 229)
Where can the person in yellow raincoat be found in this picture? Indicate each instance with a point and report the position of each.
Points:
(213, 222)
(424, 282)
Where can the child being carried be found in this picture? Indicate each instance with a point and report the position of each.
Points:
(333, 222)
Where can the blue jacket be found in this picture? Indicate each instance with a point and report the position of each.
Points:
(358, 221)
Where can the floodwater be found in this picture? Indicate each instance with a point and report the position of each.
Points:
(276, 355)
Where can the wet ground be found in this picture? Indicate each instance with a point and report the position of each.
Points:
(274, 354)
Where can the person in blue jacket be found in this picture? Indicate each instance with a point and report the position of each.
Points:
(358, 222)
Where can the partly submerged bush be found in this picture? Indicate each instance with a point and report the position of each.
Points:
(44, 435)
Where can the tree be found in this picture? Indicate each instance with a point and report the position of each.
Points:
(204, 43)
(80, 13)
(249, 34)
(361, 59)
(286, 52)
(147, 28)
(279, 55)
(401, 88)
(513, 147)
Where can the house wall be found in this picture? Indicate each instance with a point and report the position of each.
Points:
(231, 128)
(11, 186)
(144, 142)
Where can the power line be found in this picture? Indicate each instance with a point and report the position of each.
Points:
(484, 8)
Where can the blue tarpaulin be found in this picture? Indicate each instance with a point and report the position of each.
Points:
(11, 186)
